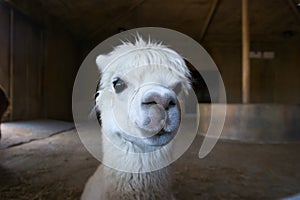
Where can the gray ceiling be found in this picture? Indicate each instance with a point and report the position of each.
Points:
(204, 20)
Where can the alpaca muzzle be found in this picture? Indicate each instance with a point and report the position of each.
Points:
(158, 110)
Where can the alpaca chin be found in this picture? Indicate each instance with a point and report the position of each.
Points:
(160, 139)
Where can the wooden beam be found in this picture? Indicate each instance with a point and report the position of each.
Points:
(208, 19)
(245, 53)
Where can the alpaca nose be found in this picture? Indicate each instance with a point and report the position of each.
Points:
(164, 99)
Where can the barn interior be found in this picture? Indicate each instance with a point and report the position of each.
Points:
(255, 45)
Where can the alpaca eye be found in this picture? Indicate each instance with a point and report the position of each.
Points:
(119, 85)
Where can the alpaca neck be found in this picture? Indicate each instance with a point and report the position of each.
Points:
(137, 181)
(156, 185)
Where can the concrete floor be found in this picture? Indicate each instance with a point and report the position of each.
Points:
(57, 167)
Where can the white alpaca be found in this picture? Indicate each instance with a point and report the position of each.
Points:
(138, 97)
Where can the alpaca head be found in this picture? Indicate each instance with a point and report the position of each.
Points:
(139, 92)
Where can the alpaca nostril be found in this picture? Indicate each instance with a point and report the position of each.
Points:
(172, 103)
(149, 103)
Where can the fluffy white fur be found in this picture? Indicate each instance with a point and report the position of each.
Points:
(151, 62)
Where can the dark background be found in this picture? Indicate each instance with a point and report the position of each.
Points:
(44, 42)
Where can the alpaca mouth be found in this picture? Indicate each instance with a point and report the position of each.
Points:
(162, 132)
(163, 137)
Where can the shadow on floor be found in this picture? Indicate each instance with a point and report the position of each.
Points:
(58, 167)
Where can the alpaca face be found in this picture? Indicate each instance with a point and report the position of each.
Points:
(145, 107)
(139, 99)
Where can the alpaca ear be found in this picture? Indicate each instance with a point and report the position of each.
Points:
(101, 62)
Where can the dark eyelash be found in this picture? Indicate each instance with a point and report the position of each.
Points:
(96, 95)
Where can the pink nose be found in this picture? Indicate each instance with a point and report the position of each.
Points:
(166, 99)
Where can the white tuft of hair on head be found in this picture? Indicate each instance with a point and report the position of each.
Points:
(130, 55)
